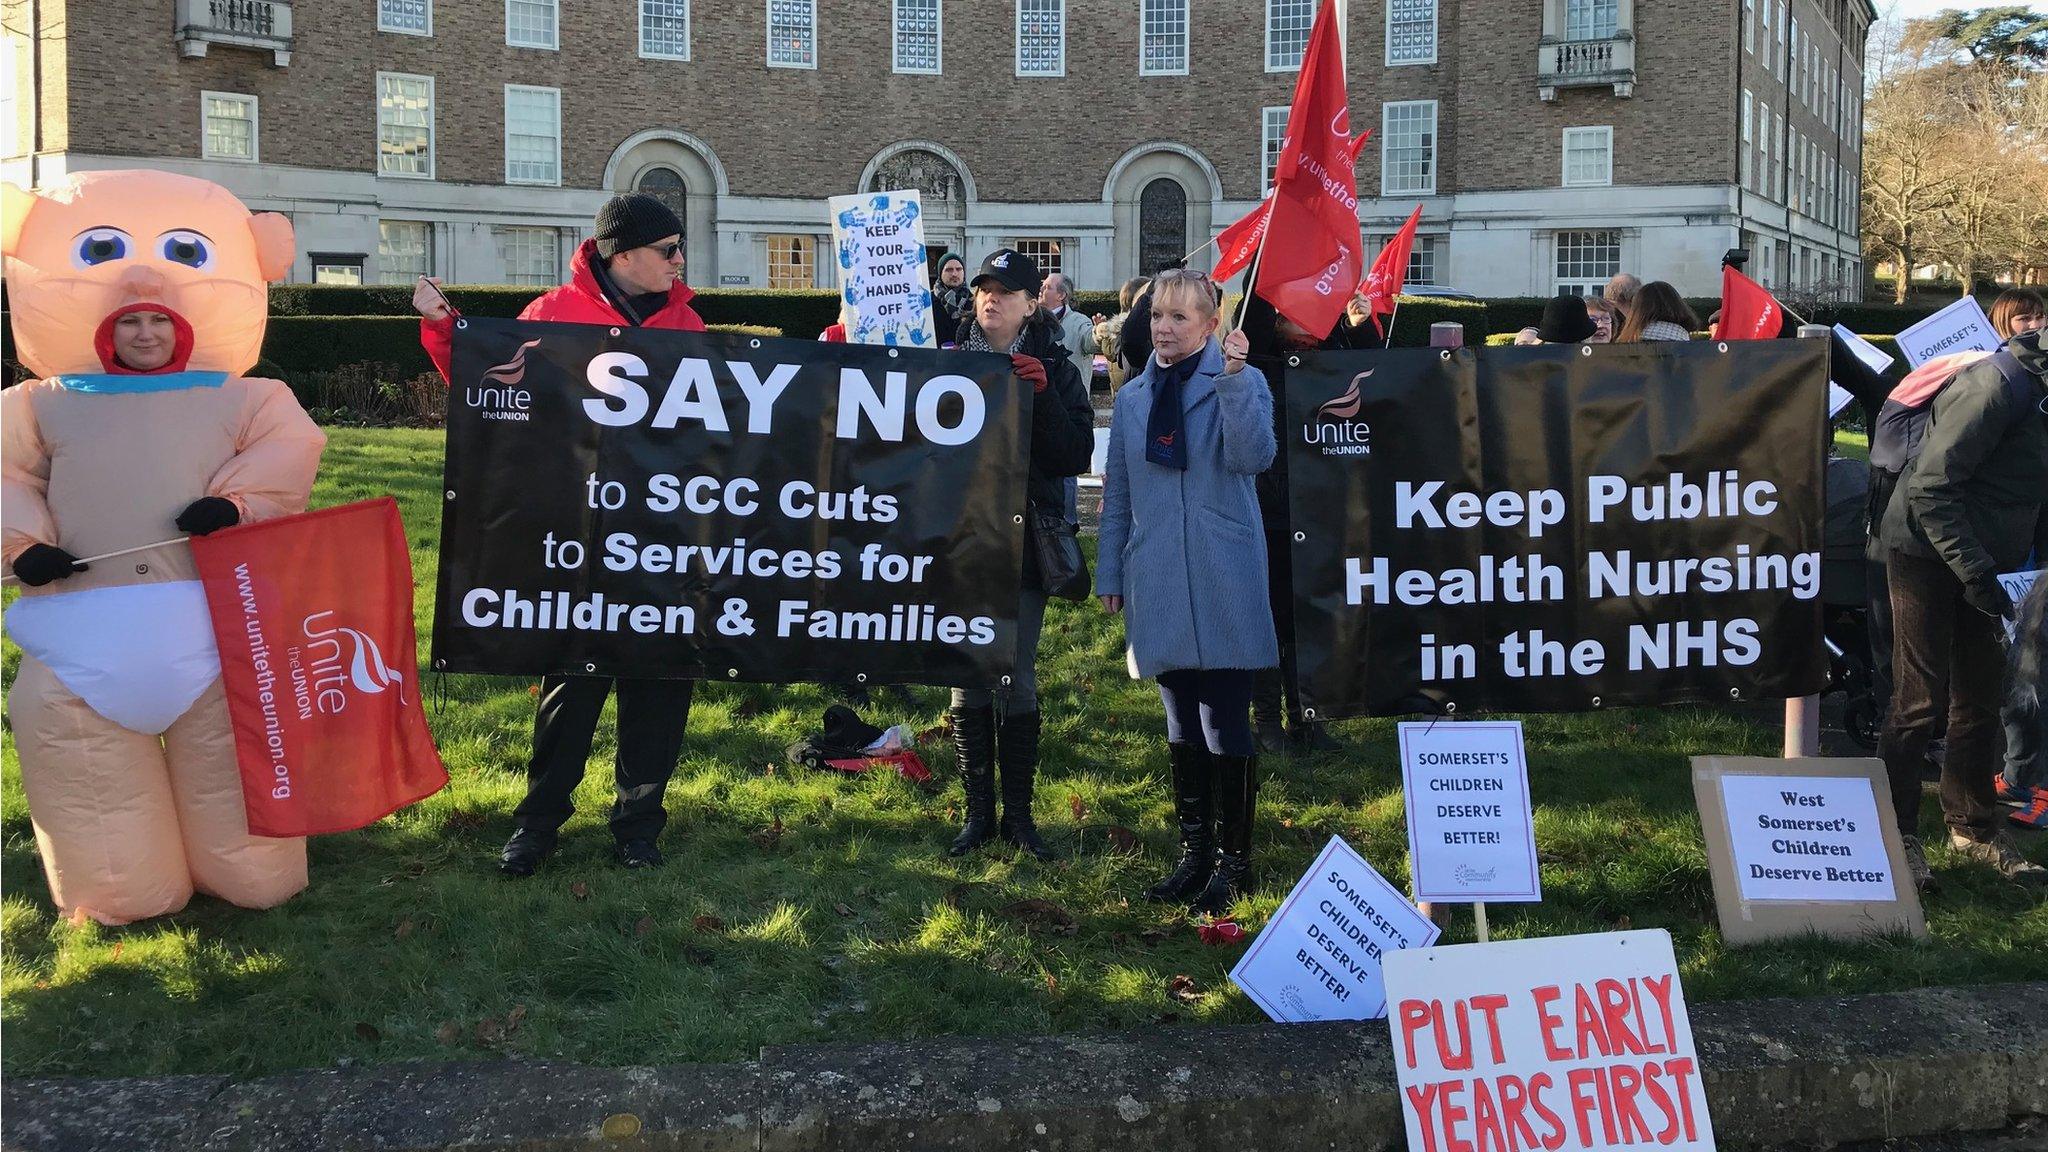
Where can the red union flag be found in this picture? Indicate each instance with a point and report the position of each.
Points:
(1748, 310)
(1312, 258)
(313, 617)
(1389, 272)
(1237, 244)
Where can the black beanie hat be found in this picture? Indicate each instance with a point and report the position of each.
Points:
(630, 221)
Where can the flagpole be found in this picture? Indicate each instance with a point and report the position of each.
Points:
(115, 555)
(1191, 255)
(1391, 317)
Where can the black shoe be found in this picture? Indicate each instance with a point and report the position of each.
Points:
(1272, 737)
(1312, 736)
(1237, 788)
(974, 745)
(1193, 809)
(637, 854)
(1017, 749)
(524, 851)
(1266, 712)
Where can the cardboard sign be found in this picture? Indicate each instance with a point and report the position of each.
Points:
(883, 282)
(1319, 958)
(1803, 846)
(1806, 838)
(1960, 327)
(1471, 828)
(1567, 1043)
(1874, 358)
(2017, 585)
(1838, 399)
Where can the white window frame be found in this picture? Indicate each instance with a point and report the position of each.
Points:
(383, 27)
(255, 126)
(1296, 66)
(433, 135)
(1435, 30)
(1017, 10)
(1591, 284)
(768, 35)
(554, 242)
(1435, 120)
(939, 39)
(427, 249)
(1565, 172)
(554, 43)
(1749, 26)
(1271, 136)
(1024, 244)
(1187, 38)
(1748, 165)
(803, 240)
(640, 32)
(557, 94)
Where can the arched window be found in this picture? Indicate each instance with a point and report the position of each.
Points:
(938, 185)
(666, 185)
(1162, 225)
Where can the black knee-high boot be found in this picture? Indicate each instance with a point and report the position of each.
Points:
(974, 743)
(1267, 711)
(1194, 809)
(1017, 750)
(1237, 787)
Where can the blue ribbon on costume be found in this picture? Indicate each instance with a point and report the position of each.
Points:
(108, 382)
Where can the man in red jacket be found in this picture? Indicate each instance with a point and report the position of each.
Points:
(629, 273)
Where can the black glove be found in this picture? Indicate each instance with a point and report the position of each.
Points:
(39, 564)
(209, 514)
(1988, 596)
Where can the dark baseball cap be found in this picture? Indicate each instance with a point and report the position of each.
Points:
(1010, 268)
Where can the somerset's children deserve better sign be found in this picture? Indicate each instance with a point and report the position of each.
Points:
(1319, 958)
(1471, 830)
(1568, 1043)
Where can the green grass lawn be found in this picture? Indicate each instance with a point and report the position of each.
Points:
(800, 907)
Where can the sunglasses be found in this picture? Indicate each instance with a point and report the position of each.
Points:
(668, 251)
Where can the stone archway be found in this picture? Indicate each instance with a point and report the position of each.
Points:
(676, 167)
(1136, 198)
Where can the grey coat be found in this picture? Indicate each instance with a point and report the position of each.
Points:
(1184, 549)
(1078, 332)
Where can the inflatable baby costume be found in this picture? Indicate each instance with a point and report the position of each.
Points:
(127, 754)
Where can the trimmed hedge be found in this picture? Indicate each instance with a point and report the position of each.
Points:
(807, 312)
(294, 344)
(1416, 313)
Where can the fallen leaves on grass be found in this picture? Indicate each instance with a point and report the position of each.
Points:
(842, 909)
(1077, 807)
(932, 734)
(1154, 935)
(515, 1018)
(456, 823)
(957, 893)
(767, 838)
(449, 1032)
(579, 890)
(708, 923)
(1052, 984)
(1122, 839)
(489, 1030)
(643, 926)
(403, 930)
(1038, 913)
(367, 1032)
(1182, 988)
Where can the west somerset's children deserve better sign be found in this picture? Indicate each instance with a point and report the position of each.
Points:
(1319, 957)
(1569, 1044)
(1557, 528)
(1471, 828)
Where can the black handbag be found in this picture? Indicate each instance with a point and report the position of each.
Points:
(1056, 542)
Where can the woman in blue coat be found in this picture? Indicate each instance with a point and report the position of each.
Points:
(1184, 560)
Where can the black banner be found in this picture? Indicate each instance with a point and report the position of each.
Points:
(669, 504)
(1557, 528)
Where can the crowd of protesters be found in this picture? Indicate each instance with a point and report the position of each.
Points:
(1194, 483)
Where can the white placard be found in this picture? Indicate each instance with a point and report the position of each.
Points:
(1838, 399)
(1319, 957)
(878, 240)
(1567, 1043)
(1960, 327)
(1874, 358)
(1471, 828)
(2017, 585)
(1806, 838)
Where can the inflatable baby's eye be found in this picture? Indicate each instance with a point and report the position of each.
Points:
(99, 245)
(187, 248)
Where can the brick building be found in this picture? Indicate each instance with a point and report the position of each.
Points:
(1551, 142)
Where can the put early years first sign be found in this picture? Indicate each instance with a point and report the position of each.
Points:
(884, 286)
(1319, 957)
(1471, 830)
(1567, 1043)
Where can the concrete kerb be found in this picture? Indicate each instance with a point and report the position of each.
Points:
(1778, 1073)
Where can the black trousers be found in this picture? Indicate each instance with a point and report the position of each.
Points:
(1946, 660)
(652, 717)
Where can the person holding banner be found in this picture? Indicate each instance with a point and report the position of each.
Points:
(629, 274)
(1188, 438)
(1005, 724)
(1970, 505)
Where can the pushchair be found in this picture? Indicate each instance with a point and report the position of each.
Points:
(1844, 588)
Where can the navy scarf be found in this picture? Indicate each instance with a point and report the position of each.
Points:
(1165, 443)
